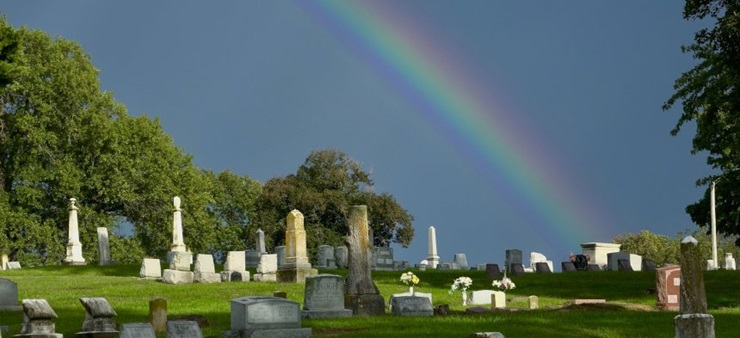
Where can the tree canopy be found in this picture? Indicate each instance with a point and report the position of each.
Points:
(709, 96)
(323, 189)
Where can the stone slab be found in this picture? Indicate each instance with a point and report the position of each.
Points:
(204, 263)
(260, 313)
(177, 277)
(268, 264)
(183, 329)
(411, 306)
(181, 261)
(265, 277)
(137, 330)
(235, 276)
(235, 261)
(568, 267)
(587, 301)
(9, 295)
(206, 277)
(151, 268)
(493, 271)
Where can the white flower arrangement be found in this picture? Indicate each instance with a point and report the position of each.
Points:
(409, 278)
(461, 283)
(504, 284)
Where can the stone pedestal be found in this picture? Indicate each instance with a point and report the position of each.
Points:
(597, 252)
(296, 267)
(695, 325)
(74, 247)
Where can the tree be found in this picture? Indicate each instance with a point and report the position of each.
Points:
(709, 96)
(323, 189)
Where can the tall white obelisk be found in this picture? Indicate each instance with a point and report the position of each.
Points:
(433, 258)
(74, 247)
(177, 243)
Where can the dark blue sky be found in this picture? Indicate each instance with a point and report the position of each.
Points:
(255, 86)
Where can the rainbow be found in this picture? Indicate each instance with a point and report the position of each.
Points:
(448, 97)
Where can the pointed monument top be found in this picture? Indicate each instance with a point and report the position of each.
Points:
(176, 201)
(689, 239)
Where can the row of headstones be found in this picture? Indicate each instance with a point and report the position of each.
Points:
(459, 262)
(204, 269)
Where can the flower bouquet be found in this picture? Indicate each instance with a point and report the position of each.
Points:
(504, 284)
(410, 279)
(462, 283)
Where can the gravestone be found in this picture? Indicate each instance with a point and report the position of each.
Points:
(498, 300)
(593, 267)
(729, 261)
(648, 265)
(361, 294)
(581, 262)
(624, 265)
(205, 270)
(234, 267)
(267, 269)
(513, 256)
(9, 295)
(534, 302)
(326, 257)
(183, 329)
(411, 306)
(158, 314)
(177, 238)
(432, 257)
(382, 259)
(635, 261)
(536, 257)
(296, 267)
(668, 284)
(481, 297)
(151, 268)
(266, 317)
(340, 256)
(74, 247)
(403, 294)
(261, 241)
(12, 265)
(542, 267)
(38, 319)
(103, 246)
(179, 271)
(693, 319)
(517, 269)
(568, 266)
(137, 330)
(252, 259)
(598, 252)
(99, 321)
(444, 266)
(324, 297)
(493, 271)
(461, 259)
(280, 252)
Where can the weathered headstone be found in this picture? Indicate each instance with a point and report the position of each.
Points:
(99, 321)
(693, 320)
(280, 252)
(517, 269)
(137, 330)
(183, 329)
(158, 314)
(513, 256)
(382, 259)
(461, 259)
(542, 267)
(536, 257)
(729, 261)
(403, 294)
(481, 297)
(205, 270)
(252, 258)
(9, 295)
(234, 267)
(340, 256)
(4, 261)
(324, 297)
(261, 241)
(74, 247)
(179, 271)
(361, 294)
(534, 302)
(296, 267)
(103, 246)
(266, 317)
(151, 268)
(326, 257)
(498, 299)
(12, 265)
(568, 267)
(432, 258)
(648, 265)
(493, 271)
(668, 283)
(266, 269)
(411, 306)
(38, 319)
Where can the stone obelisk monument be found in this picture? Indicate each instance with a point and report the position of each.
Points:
(360, 293)
(296, 267)
(433, 258)
(177, 242)
(74, 247)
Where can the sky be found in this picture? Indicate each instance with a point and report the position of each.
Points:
(531, 125)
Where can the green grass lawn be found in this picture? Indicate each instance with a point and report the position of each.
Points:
(630, 311)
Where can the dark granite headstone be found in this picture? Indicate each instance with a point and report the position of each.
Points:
(9, 295)
(542, 267)
(581, 262)
(624, 265)
(493, 271)
(411, 306)
(568, 267)
(648, 265)
(594, 267)
(517, 269)
(183, 329)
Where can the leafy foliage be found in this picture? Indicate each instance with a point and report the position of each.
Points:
(323, 189)
(663, 249)
(709, 96)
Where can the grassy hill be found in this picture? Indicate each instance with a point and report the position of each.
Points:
(629, 312)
